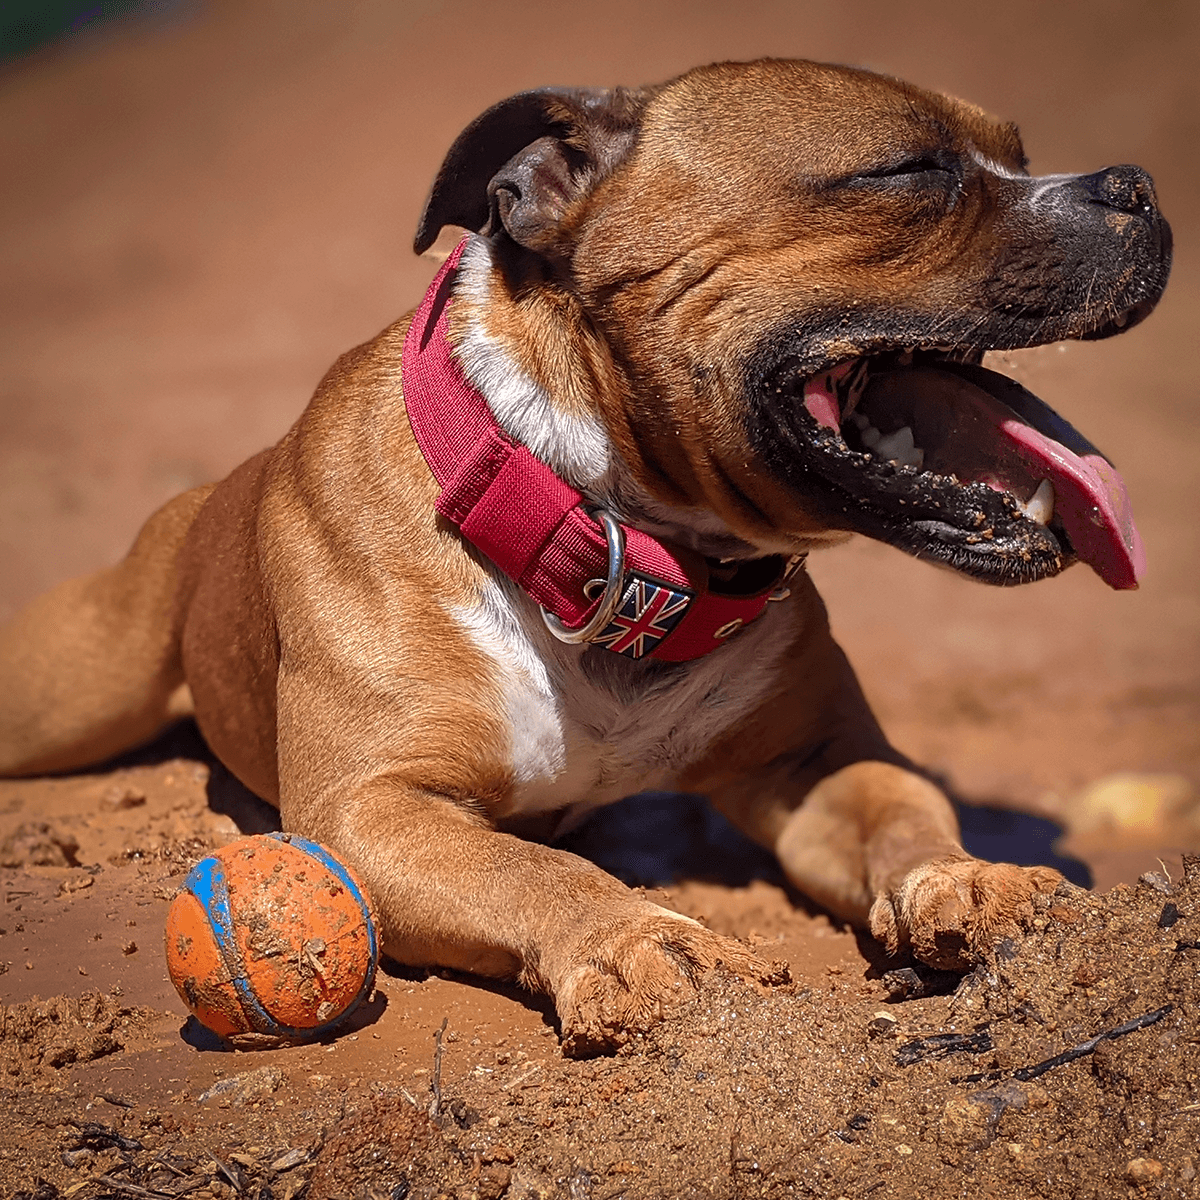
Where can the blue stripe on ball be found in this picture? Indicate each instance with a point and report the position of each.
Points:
(206, 881)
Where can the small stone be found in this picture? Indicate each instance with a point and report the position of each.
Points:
(493, 1182)
(903, 1150)
(1143, 1170)
(293, 1158)
(1065, 915)
(122, 796)
(882, 1024)
(964, 1122)
(242, 1089)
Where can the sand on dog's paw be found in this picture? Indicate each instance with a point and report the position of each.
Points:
(951, 913)
(629, 977)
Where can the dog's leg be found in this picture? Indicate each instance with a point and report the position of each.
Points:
(879, 845)
(866, 836)
(452, 892)
(92, 667)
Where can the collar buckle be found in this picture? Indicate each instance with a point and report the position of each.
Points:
(610, 599)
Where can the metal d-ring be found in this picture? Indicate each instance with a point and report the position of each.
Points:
(610, 600)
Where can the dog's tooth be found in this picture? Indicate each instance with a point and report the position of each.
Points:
(871, 436)
(861, 421)
(905, 359)
(1040, 506)
(895, 445)
(1121, 321)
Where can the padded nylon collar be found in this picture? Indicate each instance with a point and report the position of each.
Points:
(535, 527)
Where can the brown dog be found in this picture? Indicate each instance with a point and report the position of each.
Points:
(696, 331)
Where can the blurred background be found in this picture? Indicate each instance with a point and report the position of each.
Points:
(203, 204)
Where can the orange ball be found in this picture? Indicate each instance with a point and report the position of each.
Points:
(271, 935)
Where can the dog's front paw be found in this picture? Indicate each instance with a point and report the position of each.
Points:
(953, 911)
(625, 976)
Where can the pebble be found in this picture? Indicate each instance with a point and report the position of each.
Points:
(1143, 1170)
(244, 1088)
(293, 1158)
(882, 1024)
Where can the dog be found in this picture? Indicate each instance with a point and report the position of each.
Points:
(541, 545)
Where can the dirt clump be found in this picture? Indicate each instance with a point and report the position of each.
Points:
(40, 1035)
(393, 1147)
(39, 844)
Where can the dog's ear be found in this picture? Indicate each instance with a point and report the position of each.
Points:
(518, 166)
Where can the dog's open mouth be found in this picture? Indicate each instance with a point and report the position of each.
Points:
(960, 464)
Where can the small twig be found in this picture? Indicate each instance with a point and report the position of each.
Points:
(942, 1044)
(229, 1173)
(1086, 1048)
(131, 1188)
(435, 1084)
(192, 1185)
(1024, 1074)
(533, 1069)
(93, 1131)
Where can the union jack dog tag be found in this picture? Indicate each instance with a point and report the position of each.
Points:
(649, 611)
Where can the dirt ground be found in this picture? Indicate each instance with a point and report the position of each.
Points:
(199, 209)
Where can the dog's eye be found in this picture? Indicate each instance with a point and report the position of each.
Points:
(922, 168)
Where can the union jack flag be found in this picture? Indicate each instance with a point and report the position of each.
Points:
(649, 611)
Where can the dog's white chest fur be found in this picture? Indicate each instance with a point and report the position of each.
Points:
(588, 727)
(587, 733)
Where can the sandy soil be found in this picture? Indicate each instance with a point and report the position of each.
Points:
(198, 212)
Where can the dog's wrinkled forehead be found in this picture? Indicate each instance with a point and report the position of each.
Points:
(812, 118)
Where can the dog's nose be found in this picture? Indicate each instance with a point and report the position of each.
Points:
(1126, 188)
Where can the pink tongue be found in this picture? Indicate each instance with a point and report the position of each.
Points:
(1090, 500)
(820, 398)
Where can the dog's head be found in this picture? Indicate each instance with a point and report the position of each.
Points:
(789, 273)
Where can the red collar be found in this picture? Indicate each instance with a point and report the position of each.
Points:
(659, 599)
